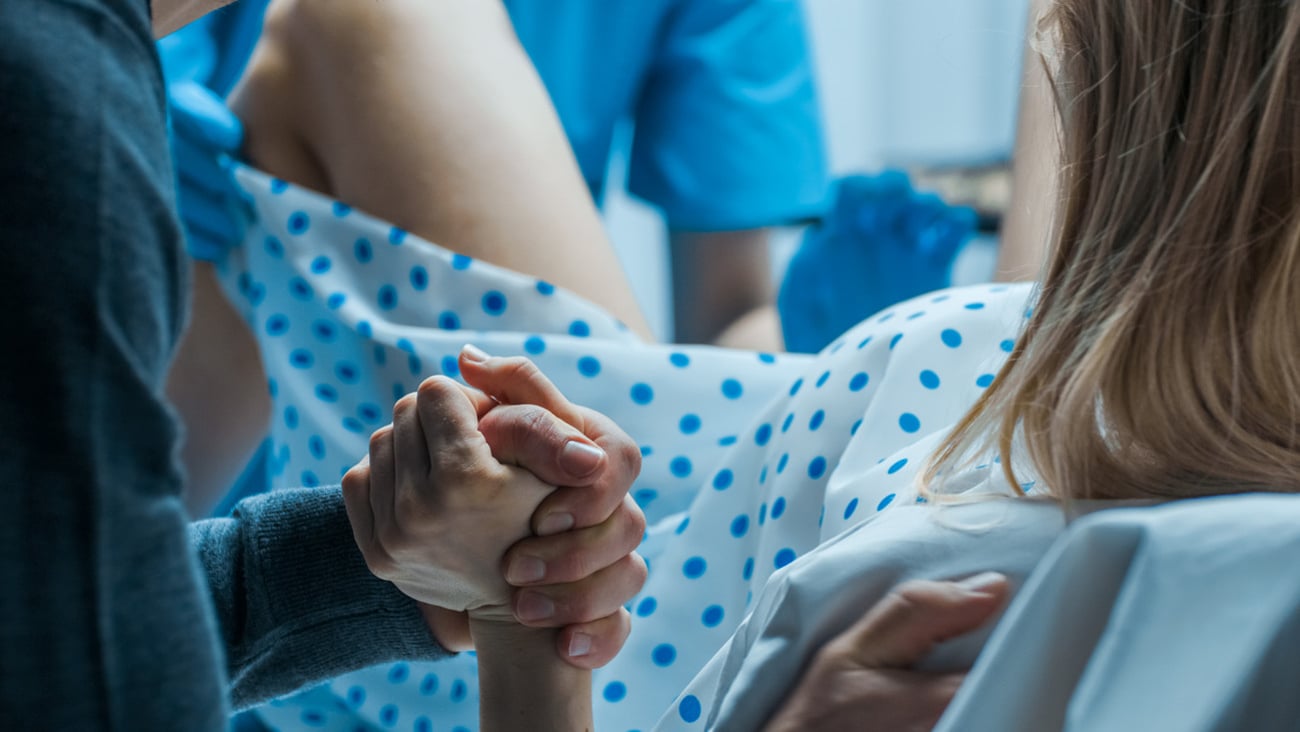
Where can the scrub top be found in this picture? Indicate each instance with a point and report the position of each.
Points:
(727, 133)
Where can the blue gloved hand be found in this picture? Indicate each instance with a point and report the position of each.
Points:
(205, 137)
(882, 243)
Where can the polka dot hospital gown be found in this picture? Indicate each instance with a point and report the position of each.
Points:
(740, 449)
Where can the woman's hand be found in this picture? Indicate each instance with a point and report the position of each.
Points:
(580, 568)
(862, 679)
(433, 511)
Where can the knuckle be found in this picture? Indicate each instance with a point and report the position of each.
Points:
(627, 454)
(378, 438)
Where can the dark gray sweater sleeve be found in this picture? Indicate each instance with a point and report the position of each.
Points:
(295, 602)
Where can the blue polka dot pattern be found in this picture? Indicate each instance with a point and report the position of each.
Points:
(732, 389)
(681, 466)
(741, 398)
(897, 466)
(929, 379)
(909, 423)
(397, 236)
(817, 468)
(419, 277)
(589, 366)
(299, 223)
(387, 297)
(615, 691)
(429, 685)
(985, 381)
(740, 526)
(689, 424)
(363, 250)
(694, 567)
(783, 557)
(494, 303)
(642, 393)
(299, 288)
(689, 709)
(646, 607)
(664, 654)
(884, 502)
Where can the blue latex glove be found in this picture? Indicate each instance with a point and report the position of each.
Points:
(882, 243)
(205, 137)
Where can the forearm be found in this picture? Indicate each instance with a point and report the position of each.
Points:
(523, 684)
(294, 600)
(757, 330)
(721, 278)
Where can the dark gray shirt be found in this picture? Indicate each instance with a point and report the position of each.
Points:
(114, 612)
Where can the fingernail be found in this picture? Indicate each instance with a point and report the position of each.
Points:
(579, 459)
(525, 570)
(473, 353)
(554, 523)
(982, 582)
(532, 607)
(579, 645)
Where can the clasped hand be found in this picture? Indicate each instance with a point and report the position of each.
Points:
(457, 495)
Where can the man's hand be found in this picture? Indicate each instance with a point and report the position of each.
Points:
(580, 567)
(862, 679)
(433, 511)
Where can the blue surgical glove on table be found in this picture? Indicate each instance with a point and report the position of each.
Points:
(882, 243)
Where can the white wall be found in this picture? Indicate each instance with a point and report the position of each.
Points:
(902, 82)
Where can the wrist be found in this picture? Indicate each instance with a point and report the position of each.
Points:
(449, 628)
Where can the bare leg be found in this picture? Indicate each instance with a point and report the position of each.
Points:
(430, 115)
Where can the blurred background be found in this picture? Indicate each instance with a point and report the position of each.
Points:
(926, 86)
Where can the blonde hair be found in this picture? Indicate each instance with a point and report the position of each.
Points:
(1162, 358)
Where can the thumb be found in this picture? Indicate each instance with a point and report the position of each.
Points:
(541, 443)
(918, 615)
(516, 380)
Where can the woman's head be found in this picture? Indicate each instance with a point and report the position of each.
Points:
(1163, 354)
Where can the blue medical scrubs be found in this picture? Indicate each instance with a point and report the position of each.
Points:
(727, 129)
